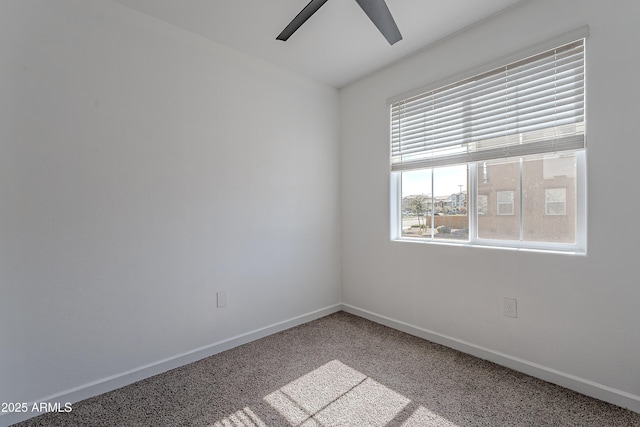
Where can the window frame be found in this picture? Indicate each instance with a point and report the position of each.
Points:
(577, 248)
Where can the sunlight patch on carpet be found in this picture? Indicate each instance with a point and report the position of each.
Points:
(336, 395)
(242, 418)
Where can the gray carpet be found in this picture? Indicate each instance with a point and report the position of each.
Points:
(341, 370)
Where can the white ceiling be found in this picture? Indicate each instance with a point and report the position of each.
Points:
(337, 45)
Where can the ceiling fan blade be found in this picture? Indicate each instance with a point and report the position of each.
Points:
(379, 14)
(300, 19)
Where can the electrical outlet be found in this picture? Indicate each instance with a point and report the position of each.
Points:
(221, 298)
(510, 307)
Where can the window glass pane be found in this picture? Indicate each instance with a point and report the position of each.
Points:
(499, 191)
(450, 199)
(549, 202)
(416, 203)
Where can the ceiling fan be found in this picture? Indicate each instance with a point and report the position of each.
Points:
(376, 10)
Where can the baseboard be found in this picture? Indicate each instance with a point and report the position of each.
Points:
(581, 385)
(113, 382)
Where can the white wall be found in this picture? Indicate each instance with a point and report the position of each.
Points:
(578, 317)
(143, 168)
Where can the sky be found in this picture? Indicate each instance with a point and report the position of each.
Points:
(447, 181)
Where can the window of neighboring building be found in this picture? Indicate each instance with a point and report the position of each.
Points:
(510, 139)
(505, 202)
(555, 201)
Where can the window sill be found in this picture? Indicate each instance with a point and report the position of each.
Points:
(560, 249)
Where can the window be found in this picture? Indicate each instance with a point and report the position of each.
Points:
(495, 159)
(555, 201)
(505, 202)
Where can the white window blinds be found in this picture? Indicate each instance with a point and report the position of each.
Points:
(535, 105)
